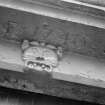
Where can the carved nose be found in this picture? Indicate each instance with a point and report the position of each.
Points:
(40, 58)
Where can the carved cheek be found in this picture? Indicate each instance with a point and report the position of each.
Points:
(51, 58)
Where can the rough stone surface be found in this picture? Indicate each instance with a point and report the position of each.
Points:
(43, 83)
(73, 37)
(16, 97)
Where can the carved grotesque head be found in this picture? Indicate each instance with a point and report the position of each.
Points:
(40, 56)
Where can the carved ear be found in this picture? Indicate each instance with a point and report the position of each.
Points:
(25, 44)
(60, 51)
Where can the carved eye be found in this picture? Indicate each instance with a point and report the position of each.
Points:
(30, 62)
(40, 58)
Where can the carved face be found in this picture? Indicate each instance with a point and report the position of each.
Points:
(40, 58)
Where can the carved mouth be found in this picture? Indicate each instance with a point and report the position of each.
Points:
(38, 66)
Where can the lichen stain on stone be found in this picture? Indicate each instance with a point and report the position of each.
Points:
(19, 84)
